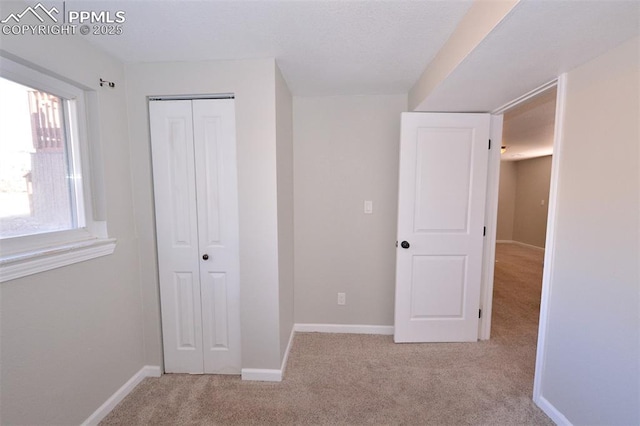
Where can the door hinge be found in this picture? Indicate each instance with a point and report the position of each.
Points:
(479, 313)
(484, 231)
(489, 143)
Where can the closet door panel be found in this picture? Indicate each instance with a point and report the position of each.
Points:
(177, 234)
(217, 206)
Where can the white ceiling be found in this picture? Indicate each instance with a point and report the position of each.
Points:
(528, 128)
(535, 43)
(322, 47)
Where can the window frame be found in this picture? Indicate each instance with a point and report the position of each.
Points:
(29, 254)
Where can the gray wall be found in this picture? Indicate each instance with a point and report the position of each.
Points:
(532, 201)
(591, 371)
(506, 200)
(72, 336)
(284, 151)
(521, 215)
(345, 152)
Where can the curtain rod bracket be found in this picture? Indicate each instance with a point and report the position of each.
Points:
(109, 83)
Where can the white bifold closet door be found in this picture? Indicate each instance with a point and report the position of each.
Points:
(196, 203)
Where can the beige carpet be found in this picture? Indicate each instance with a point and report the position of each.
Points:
(334, 379)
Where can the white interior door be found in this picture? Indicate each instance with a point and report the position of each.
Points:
(195, 187)
(441, 205)
(217, 195)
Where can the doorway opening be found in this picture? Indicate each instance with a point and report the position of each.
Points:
(521, 231)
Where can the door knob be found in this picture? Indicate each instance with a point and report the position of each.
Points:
(405, 245)
(205, 257)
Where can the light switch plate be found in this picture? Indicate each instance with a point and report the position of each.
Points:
(368, 207)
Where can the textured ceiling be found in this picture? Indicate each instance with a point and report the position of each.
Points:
(322, 47)
(535, 43)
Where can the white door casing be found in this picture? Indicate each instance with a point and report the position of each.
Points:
(195, 187)
(441, 205)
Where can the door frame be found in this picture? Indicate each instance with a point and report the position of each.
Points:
(550, 240)
(491, 209)
(491, 221)
(549, 254)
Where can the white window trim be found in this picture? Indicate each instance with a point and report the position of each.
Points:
(44, 259)
(31, 254)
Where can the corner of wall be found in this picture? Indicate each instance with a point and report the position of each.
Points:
(284, 173)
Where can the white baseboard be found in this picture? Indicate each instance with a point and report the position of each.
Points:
(120, 394)
(283, 367)
(268, 375)
(551, 411)
(520, 244)
(345, 328)
(261, 375)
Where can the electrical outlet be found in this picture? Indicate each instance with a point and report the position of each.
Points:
(342, 298)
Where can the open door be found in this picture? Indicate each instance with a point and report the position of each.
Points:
(441, 209)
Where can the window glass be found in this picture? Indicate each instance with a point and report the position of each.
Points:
(37, 192)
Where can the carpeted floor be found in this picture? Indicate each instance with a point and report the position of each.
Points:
(342, 379)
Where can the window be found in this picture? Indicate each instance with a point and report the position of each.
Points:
(38, 191)
(45, 196)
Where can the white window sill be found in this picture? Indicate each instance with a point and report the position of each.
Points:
(44, 259)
